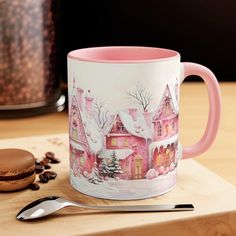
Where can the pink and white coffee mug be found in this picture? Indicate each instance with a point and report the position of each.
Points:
(123, 120)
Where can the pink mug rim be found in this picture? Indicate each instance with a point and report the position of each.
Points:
(123, 54)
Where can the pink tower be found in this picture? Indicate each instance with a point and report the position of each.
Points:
(133, 113)
(148, 118)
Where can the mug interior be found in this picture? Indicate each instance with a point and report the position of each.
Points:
(121, 54)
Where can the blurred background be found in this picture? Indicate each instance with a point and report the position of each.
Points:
(37, 35)
(203, 31)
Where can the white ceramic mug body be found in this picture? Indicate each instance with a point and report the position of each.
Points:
(123, 126)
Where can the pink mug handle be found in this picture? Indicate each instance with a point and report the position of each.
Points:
(214, 109)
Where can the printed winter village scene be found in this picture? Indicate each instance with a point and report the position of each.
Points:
(126, 153)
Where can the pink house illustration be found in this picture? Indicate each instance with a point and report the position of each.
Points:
(85, 136)
(165, 122)
(128, 136)
(139, 140)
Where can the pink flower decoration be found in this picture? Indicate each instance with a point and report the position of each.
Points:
(161, 170)
(151, 174)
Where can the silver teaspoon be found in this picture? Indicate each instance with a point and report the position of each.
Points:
(48, 205)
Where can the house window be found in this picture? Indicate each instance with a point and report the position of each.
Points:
(159, 129)
(113, 142)
(74, 133)
(82, 160)
(126, 142)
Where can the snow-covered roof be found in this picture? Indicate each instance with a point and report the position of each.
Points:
(91, 128)
(166, 93)
(92, 132)
(120, 153)
(164, 142)
(138, 127)
(76, 145)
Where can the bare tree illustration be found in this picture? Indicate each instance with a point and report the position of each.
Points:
(102, 112)
(141, 96)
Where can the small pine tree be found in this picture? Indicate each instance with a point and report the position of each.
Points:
(94, 177)
(104, 170)
(114, 166)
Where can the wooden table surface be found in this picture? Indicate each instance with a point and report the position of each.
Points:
(193, 114)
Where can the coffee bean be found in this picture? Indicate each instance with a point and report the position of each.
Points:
(43, 179)
(43, 163)
(50, 155)
(46, 175)
(47, 167)
(39, 169)
(55, 161)
(37, 162)
(47, 160)
(52, 174)
(34, 186)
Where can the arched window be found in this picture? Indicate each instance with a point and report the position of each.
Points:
(126, 142)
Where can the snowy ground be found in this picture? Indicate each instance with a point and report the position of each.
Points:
(125, 189)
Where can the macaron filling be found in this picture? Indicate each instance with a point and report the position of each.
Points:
(17, 177)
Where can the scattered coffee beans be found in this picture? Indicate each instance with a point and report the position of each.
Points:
(46, 175)
(50, 155)
(45, 164)
(47, 167)
(41, 166)
(37, 162)
(47, 160)
(51, 174)
(55, 161)
(43, 179)
(34, 186)
(39, 169)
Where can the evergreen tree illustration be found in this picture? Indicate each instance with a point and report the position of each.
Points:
(104, 170)
(94, 177)
(114, 166)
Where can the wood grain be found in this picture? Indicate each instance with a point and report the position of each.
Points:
(212, 196)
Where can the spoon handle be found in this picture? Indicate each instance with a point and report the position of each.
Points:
(144, 208)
